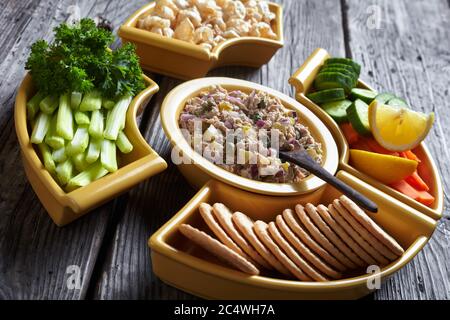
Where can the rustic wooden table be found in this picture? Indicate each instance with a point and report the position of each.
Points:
(404, 47)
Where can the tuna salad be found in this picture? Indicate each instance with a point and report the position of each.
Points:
(242, 133)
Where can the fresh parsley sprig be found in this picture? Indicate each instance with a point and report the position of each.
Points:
(79, 60)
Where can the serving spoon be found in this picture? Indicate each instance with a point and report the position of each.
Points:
(304, 160)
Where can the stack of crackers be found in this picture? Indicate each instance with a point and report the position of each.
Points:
(309, 243)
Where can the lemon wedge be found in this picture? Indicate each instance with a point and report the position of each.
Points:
(398, 128)
(385, 168)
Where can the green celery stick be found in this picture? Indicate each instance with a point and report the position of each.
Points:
(93, 152)
(49, 164)
(33, 105)
(108, 103)
(64, 122)
(75, 99)
(108, 155)
(64, 171)
(96, 125)
(79, 160)
(40, 128)
(79, 142)
(123, 143)
(52, 139)
(59, 155)
(49, 104)
(82, 118)
(116, 118)
(91, 101)
(93, 172)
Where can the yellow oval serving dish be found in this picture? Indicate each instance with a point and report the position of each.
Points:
(140, 164)
(198, 170)
(184, 265)
(302, 81)
(180, 59)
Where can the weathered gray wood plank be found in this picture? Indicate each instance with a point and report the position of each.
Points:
(409, 54)
(34, 253)
(127, 273)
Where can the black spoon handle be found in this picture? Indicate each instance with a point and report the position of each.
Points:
(302, 159)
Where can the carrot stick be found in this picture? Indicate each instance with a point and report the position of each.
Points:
(417, 182)
(375, 147)
(350, 134)
(420, 196)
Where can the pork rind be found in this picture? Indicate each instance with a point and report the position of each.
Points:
(209, 22)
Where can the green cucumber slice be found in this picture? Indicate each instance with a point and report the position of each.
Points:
(346, 61)
(327, 95)
(337, 110)
(398, 102)
(358, 115)
(348, 73)
(331, 80)
(364, 94)
(384, 97)
(338, 65)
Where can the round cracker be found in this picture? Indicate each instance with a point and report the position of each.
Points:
(260, 228)
(206, 212)
(320, 238)
(323, 212)
(356, 236)
(304, 250)
(374, 242)
(245, 225)
(223, 215)
(218, 249)
(296, 227)
(370, 225)
(293, 255)
(332, 236)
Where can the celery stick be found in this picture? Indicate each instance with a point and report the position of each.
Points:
(108, 103)
(64, 171)
(49, 164)
(93, 152)
(116, 118)
(79, 142)
(96, 125)
(52, 139)
(49, 104)
(91, 101)
(40, 128)
(82, 118)
(108, 155)
(33, 105)
(59, 155)
(64, 122)
(79, 160)
(93, 172)
(75, 99)
(123, 143)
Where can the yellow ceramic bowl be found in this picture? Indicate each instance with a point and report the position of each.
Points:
(184, 60)
(199, 170)
(184, 265)
(303, 79)
(135, 167)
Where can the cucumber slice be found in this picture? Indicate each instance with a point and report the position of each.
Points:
(358, 115)
(346, 61)
(337, 110)
(338, 65)
(331, 80)
(327, 95)
(398, 102)
(365, 95)
(384, 97)
(351, 74)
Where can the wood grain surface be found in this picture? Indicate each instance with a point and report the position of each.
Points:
(403, 47)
